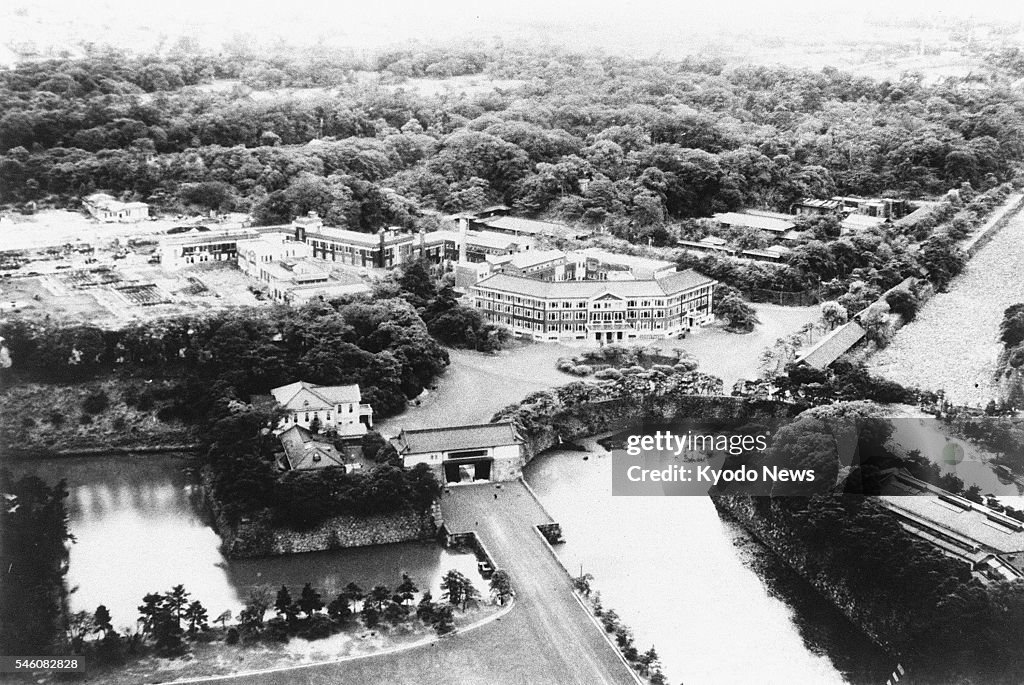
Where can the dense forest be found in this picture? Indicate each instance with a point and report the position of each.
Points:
(383, 346)
(34, 526)
(627, 143)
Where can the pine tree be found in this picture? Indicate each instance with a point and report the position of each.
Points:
(284, 606)
(101, 619)
(310, 601)
(379, 595)
(354, 594)
(197, 618)
(407, 589)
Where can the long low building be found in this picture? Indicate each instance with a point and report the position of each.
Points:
(202, 245)
(757, 222)
(989, 542)
(105, 208)
(600, 310)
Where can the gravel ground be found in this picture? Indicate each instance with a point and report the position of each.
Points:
(477, 385)
(953, 343)
(732, 356)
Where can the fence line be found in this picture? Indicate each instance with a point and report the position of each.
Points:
(796, 298)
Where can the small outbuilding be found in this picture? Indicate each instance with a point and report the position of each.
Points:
(307, 451)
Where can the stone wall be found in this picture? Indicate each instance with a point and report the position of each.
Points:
(508, 469)
(256, 537)
(996, 222)
(884, 625)
(583, 419)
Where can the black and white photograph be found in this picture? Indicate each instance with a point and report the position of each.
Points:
(525, 343)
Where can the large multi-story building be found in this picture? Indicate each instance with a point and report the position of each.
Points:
(598, 310)
(385, 249)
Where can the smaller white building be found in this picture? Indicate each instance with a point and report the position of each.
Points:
(337, 407)
(105, 208)
(268, 248)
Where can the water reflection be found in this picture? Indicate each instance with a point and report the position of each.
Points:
(140, 527)
(971, 464)
(716, 604)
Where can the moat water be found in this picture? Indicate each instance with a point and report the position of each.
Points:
(141, 526)
(716, 604)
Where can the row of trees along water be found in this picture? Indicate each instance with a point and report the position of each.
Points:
(170, 623)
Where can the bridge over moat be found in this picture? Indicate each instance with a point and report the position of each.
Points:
(549, 633)
(547, 637)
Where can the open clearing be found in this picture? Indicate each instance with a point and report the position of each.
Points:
(477, 385)
(732, 356)
(953, 344)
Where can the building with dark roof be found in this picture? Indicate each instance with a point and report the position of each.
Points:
(814, 207)
(490, 451)
(307, 451)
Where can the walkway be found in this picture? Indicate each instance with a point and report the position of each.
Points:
(547, 638)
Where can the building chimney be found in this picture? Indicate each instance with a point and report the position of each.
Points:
(463, 230)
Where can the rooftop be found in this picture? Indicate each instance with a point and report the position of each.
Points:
(209, 236)
(109, 202)
(304, 449)
(530, 258)
(761, 223)
(357, 238)
(820, 204)
(769, 214)
(295, 270)
(521, 225)
(633, 262)
(486, 239)
(963, 517)
(833, 346)
(302, 395)
(669, 285)
(427, 440)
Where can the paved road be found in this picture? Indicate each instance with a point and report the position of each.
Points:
(546, 638)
